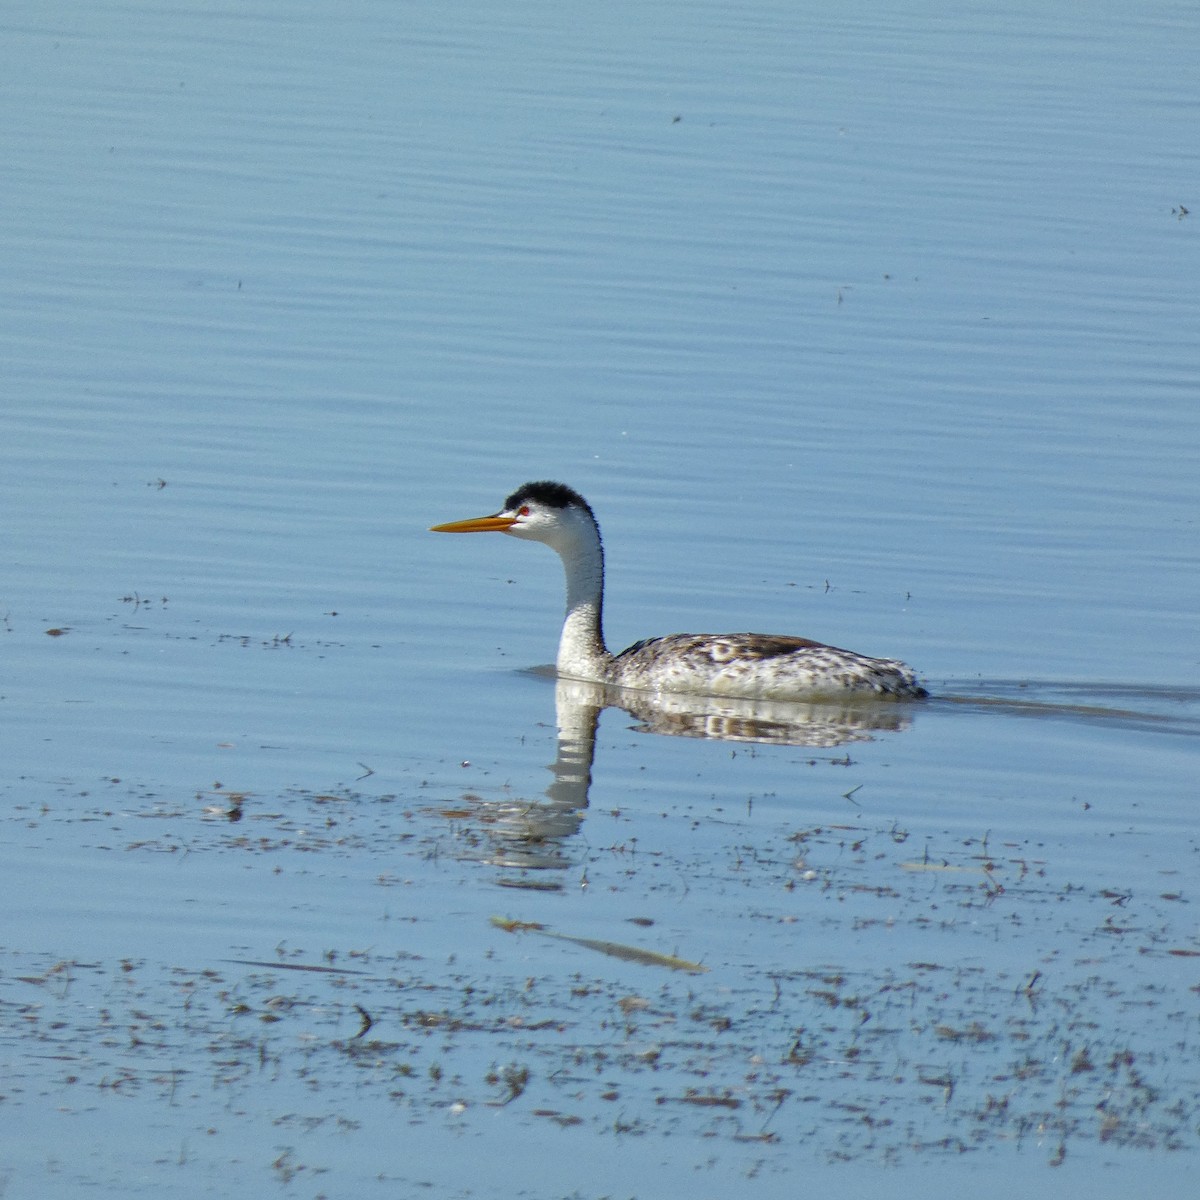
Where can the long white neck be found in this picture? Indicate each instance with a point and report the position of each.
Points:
(582, 653)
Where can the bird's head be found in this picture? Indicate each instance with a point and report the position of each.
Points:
(542, 511)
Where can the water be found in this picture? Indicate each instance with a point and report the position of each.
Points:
(877, 328)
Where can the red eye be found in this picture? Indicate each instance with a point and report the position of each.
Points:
(523, 511)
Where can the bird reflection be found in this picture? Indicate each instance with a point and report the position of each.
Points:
(533, 835)
(819, 724)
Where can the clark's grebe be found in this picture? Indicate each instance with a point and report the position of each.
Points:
(731, 664)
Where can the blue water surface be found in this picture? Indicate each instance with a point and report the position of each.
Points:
(872, 326)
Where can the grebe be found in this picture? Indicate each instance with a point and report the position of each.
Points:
(731, 664)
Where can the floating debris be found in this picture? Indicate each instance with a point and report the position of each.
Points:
(647, 958)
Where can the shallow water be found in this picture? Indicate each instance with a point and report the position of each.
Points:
(878, 330)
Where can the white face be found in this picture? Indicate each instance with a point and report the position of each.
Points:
(560, 528)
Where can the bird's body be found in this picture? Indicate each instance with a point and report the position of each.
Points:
(766, 666)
